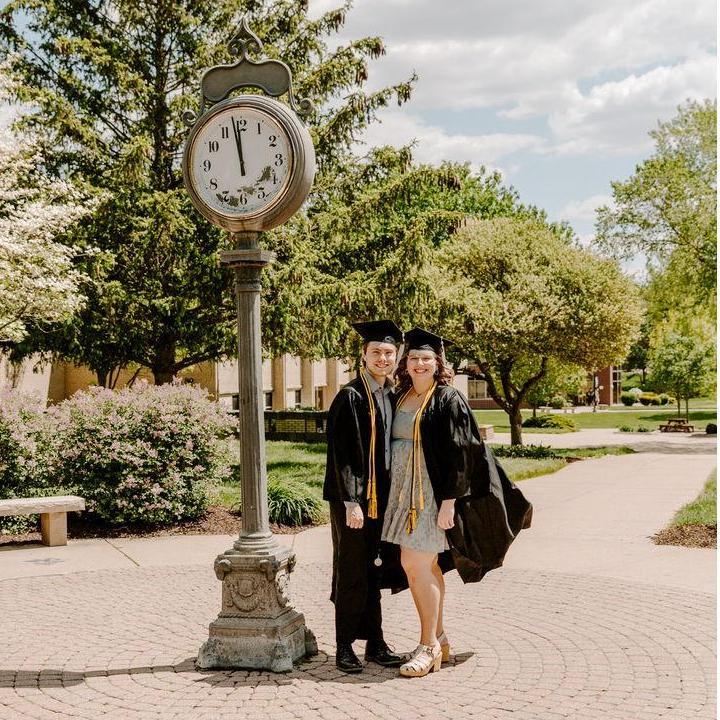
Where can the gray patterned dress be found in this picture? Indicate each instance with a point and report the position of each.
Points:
(427, 536)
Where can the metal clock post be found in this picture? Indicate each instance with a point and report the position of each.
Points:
(248, 165)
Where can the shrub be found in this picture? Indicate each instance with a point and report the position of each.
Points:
(648, 398)
(557, 402)
(664, 398)
(643, 428)
(141, 455)
(291, 503)
(561, 422)
(534, 452)
(626, 428)
(19, 416)
(627, 399)
(711, 429)
(636, 391)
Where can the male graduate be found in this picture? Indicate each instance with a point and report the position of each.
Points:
(357, 484)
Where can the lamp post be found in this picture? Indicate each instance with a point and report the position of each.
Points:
(248, 165)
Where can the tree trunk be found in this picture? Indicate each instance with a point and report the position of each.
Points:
(515, 425)
(534, 411)
(102, 376)
(163, 369)
(678, 402)
(687, 409)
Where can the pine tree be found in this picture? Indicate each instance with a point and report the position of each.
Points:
(103, 87)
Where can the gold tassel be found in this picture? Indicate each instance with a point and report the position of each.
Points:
(372, 480)
(411, 523)
(414, 462)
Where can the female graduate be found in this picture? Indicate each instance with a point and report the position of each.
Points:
(450, 503)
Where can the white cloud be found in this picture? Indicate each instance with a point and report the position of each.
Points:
(584, 210)
(601, 74)
(615, 117)
(433, 144)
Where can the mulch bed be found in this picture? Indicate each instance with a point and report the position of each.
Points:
(218, 520)
(699, 536)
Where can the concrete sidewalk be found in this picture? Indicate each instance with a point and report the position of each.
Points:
(672, 443)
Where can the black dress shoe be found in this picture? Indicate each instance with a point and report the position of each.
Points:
(346, 660)
(378, 652)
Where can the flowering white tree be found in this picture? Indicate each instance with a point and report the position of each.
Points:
(38, 280)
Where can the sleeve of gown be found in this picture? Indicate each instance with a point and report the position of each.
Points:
(346, 447)
(458, 442)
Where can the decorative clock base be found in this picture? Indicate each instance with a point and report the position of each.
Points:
(257, 628)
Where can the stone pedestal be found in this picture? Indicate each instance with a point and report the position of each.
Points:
(257, 627)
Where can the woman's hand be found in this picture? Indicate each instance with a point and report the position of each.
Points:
(354, 517)
(446, 514)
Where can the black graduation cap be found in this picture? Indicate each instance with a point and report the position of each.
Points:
(419, 339)
(379, 331)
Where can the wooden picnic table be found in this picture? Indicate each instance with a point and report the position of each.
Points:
(677, 425)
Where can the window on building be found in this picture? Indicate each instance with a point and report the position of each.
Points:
(477, 389)
(319, 398)
(236, 403)
(297, 398)
(267, 400)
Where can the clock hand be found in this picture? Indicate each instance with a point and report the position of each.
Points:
(238, 143)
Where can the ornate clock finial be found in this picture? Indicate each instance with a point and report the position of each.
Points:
(273, 77)
(243, 40)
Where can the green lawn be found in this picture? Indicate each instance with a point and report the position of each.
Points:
(702, 510)
(651, 417)
(305, 464)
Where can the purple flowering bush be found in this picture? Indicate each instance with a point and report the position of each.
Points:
(19, 420)
(145, 454)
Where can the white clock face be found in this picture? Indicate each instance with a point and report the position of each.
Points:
(241, 161)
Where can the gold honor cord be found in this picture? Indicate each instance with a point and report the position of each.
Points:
(414, 460)
(372, 479)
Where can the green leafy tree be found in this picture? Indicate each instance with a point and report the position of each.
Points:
(637, 357)
(516, 295)
(559, 379)
(103, 87)
(667, 208)
(362, 251)
(683, 366)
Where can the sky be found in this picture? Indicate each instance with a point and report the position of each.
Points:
(557, 95)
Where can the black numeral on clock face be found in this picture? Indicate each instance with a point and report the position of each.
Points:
(258, 128)
(278, 159)
(242, 124)
(213, 146)
(273, 140)
(207, 165)
(213, 184)
(224, 132)
(261, 193)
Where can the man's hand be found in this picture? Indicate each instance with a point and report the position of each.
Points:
(446, 514)
(354, 517)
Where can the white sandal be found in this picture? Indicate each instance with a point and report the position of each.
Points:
(423, 660)
(444, 646)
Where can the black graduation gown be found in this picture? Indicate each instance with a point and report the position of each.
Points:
(489, 510)
(356, 579)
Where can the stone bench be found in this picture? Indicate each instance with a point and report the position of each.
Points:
(53, 514)
(487, 432)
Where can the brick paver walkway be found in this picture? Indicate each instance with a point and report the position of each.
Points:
(527, 645)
